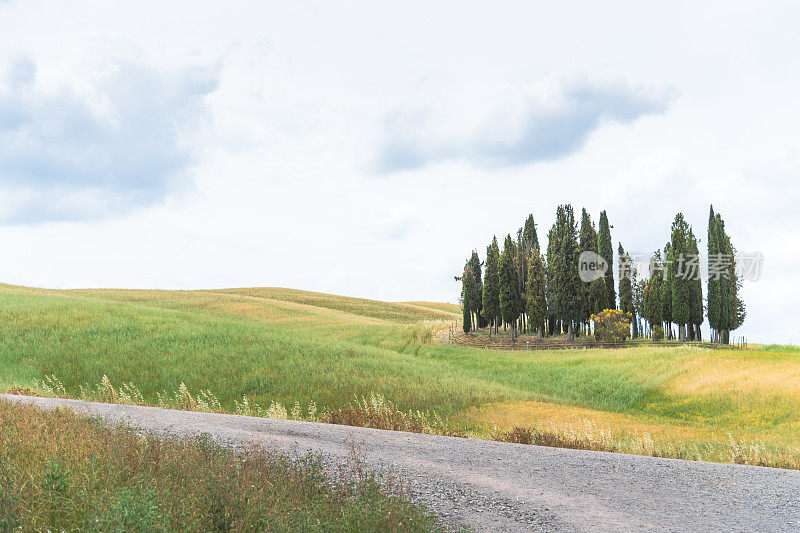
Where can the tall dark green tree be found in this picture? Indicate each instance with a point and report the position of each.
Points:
(653, 306)
(467, 282)
(552, 251)
(731, 308)
(681, 286)
(627, 275)
(563, 264)
(550, 322)
(587, 243)
(491, 285)
(476, 298)
(695, 288)
(529, 243)
(666, 291)
(521, 261)
(509, 297)
(530, 236)
(714, 300)
(606, 251)
(598, 296)
(639, 286)
(536, 297)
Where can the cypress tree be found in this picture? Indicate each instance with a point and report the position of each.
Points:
(732, 311)
(606, 251)
(529, 234)
(550, 322)
(531, 243)
(598, 296)
(522, 273)
(467, 318)
(681, 287)
(476, 297)
(536, 293)
(638, 303)
(491, 285)
(627, 275)
(550, 261)
(726, 288)
(652, 304)
(587, 243)
(509, 298)
(714, 302)
(467, 280)
(666, 292)
(695, 290)
(563, 264)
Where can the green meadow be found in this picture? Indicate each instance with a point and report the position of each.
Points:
(287, 346)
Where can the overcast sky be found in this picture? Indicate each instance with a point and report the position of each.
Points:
(364, 148)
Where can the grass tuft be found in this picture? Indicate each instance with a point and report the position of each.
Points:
(63, 472)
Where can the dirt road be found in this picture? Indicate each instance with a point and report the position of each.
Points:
(497, 486)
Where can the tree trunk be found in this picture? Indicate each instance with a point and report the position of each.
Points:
(569, 331)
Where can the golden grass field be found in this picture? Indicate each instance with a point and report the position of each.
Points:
(281, 346)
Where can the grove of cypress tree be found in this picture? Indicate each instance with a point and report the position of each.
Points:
(491, 285)
(606, 251)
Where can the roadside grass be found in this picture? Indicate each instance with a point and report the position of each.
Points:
(281, 347)
(63, 472)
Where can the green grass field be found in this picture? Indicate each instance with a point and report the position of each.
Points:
(292, 346)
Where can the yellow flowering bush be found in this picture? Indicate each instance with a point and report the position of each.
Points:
(611, 325)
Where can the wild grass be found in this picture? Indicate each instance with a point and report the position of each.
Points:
(588, 435)
(63, 472)
(253, 350)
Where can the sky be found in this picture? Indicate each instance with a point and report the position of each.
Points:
(365, 148)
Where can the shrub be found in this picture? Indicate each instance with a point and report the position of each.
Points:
(611, 325)
(378, 413)
(658, 333)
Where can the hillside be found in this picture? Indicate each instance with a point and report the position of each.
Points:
(287, 346)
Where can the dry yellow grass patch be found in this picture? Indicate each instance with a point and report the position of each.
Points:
(550, 416)
(707, 375)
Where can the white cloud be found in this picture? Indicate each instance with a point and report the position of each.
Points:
(75, 148)
(546, 121)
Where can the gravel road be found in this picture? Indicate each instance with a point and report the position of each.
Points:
(495, 486)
